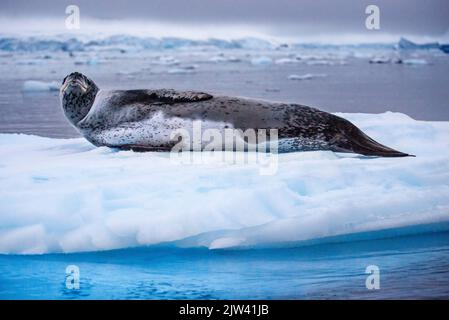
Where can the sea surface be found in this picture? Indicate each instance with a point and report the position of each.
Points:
(410, 267)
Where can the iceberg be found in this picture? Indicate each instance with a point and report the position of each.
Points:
(40, 86)
(419, 62)
(286, 61)
(65, 195)
(222, 58)
(409, 45)
(33, 44)
(124, 43)
(253, 44)
(185, 70)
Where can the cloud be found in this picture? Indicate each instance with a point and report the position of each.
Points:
(280, 16)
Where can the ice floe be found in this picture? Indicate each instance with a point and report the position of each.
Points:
(65, 195)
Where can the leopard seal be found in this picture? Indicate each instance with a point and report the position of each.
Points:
(144, 119)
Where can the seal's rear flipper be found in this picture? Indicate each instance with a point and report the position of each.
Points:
(352, 139)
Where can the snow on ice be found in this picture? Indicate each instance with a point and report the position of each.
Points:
(65, 195)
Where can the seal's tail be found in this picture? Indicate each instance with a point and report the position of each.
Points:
(351, 139)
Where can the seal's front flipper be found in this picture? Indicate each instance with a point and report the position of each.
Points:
(349, 138)
(157, 97)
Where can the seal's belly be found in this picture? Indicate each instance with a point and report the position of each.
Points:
(175, 134)
(159, 132)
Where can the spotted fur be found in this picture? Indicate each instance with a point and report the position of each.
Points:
(144, 119)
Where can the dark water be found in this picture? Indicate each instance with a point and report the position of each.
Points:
(410, 267)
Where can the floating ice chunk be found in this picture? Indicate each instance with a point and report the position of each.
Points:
(326, 62)
(223, 58)
(307, 76)
(180, 71)
(168, 60)
(261, 61)
(35, 86)
(183, 70)
(286, 61)
(415, 62)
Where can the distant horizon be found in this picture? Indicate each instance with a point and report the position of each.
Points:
(97, 28)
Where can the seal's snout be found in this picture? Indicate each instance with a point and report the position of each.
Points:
(75, 83)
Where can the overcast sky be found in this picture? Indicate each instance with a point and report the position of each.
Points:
(280, 17)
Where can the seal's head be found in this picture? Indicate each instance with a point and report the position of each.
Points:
(76, 83)
(77, 96)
